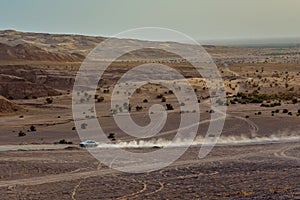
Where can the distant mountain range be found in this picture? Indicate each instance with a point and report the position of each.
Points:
(16, 45)
(257, 43)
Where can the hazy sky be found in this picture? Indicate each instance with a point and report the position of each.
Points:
(201, 19)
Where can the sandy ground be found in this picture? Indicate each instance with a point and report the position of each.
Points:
(248, 171)
(268, 169)
(229, 172)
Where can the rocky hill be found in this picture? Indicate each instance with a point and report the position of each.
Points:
(74, 47)
(77, 45)
(41, 64)
(31, 52)
(7, 106)
(17, 88)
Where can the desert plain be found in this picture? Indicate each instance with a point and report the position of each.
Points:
(257, 155)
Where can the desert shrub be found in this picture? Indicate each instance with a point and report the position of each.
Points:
(121, 109)
(259, 113)
(138, 108)
(73, 128)
(255, 100)
(34, 97)
(285, 111)
(106, 91)
(299, 111)
(21, 116)
(290, 113)
(163, 99)
(26, 97)
(169, 106)
(265, 105)
(100, 99)
(247, 116)
(255, 97)
(82, 100)
(159, 96)
(271, 104)
(21, 134)
(139, 90)
(32, 128)
(49, 100)
(286, 85)
(10, 98)
(114, 111)
(63, 141)
(276, 104)
(112, 136)
(83, 125)
(294, 101)
(220, 102)
(145, 100)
